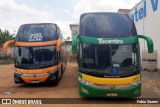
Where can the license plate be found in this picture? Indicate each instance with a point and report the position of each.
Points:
(112, 94)
(35, 82)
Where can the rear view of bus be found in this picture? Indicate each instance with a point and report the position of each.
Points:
(40, 53)
(108, 55)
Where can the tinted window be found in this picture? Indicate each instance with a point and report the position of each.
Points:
(107, 25)
(110, 59)
(35, 57)
(37, 32)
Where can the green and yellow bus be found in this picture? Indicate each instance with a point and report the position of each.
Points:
(108, 55)
(40, 53)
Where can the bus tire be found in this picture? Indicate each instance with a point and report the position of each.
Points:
(62, 69)
(55, 82)
(18, 79)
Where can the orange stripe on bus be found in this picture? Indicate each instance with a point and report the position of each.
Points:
(29, 80)
(36, 71)
(31, 44)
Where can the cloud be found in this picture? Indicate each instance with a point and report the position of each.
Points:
(83, 6)
(13, 15)
(64, 27)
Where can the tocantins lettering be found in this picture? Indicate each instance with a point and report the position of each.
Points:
(114, 41)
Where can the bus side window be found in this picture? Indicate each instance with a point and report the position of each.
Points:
(59, 37)
(59, 34)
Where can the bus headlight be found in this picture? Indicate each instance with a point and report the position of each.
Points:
(18, 73)
(84, 81)
(53, 72)
(136, 82)
(137, 91)
(84, 90)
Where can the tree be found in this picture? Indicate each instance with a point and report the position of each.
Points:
(5, 36)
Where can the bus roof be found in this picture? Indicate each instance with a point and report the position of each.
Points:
(39, 24)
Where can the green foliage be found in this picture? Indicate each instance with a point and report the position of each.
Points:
(5, 36)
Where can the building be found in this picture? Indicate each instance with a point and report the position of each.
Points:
(124, 10)
(74, 29)
(146, 16)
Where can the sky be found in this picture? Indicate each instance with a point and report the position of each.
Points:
(14, 13)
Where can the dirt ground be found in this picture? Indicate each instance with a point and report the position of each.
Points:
(67, 87)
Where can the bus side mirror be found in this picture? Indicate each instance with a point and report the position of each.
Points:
(6, 45)
(149, 43)
(74, 44)
(58, 45)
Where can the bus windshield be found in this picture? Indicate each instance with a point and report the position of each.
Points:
(35, 57)
(109, 60)
(107, 25)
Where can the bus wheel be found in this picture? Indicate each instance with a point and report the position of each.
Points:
(18, 79)
(62, 69)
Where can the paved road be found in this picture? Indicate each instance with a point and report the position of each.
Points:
(67, 87)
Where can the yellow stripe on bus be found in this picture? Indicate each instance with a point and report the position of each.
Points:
(114, 81)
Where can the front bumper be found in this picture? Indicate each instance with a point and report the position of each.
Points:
(88, 91)
(26, 78)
